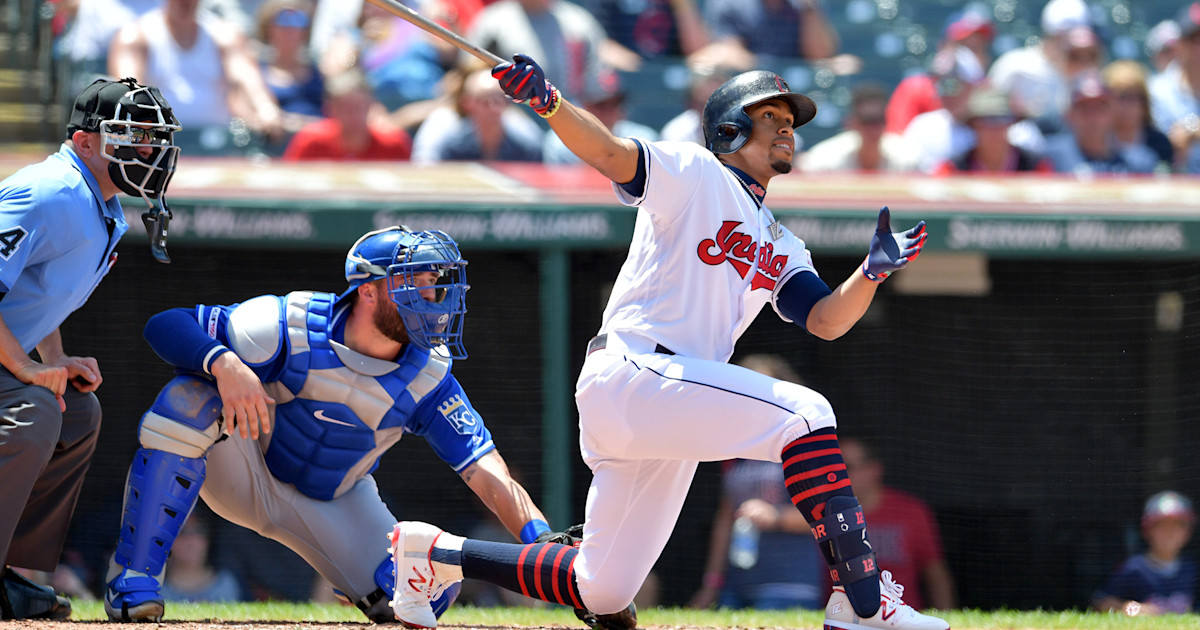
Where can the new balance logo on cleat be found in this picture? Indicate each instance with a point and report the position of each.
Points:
(893, 613)
(417, 584)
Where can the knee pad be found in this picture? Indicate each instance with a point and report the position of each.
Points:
(184, 419)
(160, 493)
(842, 536)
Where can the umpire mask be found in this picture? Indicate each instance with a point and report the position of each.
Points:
(137, 123)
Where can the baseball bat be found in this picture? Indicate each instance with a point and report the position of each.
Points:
(399, 10)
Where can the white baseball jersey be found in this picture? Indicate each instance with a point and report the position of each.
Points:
(703, 260)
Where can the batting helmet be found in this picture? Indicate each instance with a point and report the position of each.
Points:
(397, 254)
(130, 118)
(726, 124)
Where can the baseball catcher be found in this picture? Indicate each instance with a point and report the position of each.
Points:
(282, 407)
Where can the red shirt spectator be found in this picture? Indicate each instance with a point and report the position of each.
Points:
(352, 131)
(322, 140)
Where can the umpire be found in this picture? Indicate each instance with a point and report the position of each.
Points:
(60, 221)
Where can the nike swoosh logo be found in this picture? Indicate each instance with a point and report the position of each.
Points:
(320, 415)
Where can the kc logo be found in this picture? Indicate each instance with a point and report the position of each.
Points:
(742, 251)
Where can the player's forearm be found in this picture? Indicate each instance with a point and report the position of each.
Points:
(490, 480)
(587, 137)
(176, 337)
(50, 349)
(835, 314)
(12, 356)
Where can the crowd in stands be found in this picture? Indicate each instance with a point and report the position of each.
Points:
(1067, 86)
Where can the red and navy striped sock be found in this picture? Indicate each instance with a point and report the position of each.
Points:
(814, 471)
(543, 571)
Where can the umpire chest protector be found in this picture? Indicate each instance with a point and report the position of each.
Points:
(337, 411)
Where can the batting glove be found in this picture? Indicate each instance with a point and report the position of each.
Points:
(524, 81)
(890, 250)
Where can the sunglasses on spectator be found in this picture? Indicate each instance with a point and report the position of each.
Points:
(291, 18)
(993, 121)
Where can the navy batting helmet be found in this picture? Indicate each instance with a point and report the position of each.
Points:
(397, 254)
(726, 124)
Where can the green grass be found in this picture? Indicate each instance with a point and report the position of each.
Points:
(507, 617)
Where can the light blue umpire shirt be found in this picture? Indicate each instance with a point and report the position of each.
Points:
(57, 242)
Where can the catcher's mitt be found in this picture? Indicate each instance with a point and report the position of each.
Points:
(572, 536)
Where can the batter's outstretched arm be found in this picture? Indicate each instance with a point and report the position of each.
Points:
(524, 81)
(490, 479)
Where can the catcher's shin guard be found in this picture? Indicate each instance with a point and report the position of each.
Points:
(842, 536)
(160, 493)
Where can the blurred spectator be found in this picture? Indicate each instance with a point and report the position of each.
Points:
(268, 571)
(1038, 77)
(971, 28)
(1173, 100)
(335, 18)
(483, 124)
(349, 132)
(1132, 125)
(989, 118)
(201, 64)
(190, 575)
(564, 38)
(402, 62)
(745, 31)
(92, 29)
(652, 29)
(1160, 580)
(283, 29)
(864, 145)
(904, 532)
(606, 101)
(1161, 44)
(703, 80)
(1087, 145)
(942, 134)
(784, 568)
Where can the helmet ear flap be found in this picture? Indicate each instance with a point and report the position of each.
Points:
(728, 130)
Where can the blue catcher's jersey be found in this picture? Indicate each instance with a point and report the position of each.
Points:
(336, 411)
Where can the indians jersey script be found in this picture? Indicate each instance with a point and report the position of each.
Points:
(704, 258)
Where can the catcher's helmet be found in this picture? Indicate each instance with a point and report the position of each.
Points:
(726, 124)
(129, 116)
(397, 253)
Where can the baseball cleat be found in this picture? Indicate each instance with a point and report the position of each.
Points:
(133, 596)
(893, 613)
(624, 620)
(416, 583)
(21, 598)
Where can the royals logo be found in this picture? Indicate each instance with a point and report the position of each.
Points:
(743, 252)
(458, 414)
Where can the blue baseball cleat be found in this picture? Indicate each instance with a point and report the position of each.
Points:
(133, 596)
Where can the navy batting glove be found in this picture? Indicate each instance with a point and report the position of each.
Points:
(524, 81)
(890, 250)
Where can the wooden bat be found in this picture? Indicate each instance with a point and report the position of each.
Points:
(399, 10)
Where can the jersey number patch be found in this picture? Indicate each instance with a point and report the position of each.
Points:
(10, 240)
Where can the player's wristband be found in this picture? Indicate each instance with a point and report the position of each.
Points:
(551, 108)
(874, 277)
(212, 356)
(533, 529)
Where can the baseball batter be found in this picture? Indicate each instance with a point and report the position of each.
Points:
(60, 222)
(317, 387)
(656, 394)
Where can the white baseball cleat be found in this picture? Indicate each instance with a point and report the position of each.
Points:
(416, 583)
(893, 613)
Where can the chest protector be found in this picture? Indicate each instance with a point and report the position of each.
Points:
(336, 410)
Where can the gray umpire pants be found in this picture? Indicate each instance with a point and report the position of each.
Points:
(44, 455)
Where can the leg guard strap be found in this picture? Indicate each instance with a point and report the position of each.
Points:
(842, 536)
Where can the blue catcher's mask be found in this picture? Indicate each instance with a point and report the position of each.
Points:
(398, 254)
